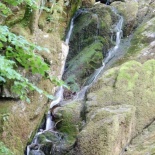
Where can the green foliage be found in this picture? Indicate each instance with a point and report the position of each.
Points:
(5, 117)
(17, 51)
(4, 150)
(16, 48)
(22, 51)
(21, 85)
(6, 11)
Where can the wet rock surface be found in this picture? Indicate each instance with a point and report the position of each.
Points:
(119, 107)
(90, 40)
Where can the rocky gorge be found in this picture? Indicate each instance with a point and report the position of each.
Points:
(116, 116)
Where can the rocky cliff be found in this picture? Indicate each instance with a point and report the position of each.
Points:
(117, 115)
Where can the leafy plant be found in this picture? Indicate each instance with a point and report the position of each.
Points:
(58, 82)
(16, 50)
(16, 47)
(21, 86)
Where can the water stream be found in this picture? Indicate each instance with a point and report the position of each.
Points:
(80, 95)
(60, 90)
(111, 53)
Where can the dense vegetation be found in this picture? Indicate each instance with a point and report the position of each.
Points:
(16, 50)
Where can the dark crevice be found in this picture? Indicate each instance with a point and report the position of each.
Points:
(107, 2)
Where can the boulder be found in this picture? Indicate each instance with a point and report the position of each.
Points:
(68, 120)
(88, 3)
(120, 102)
(144, 143)
(108, 131)
(91, 38)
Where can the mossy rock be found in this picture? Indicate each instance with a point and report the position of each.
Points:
(131, 84)
(88, 3)
(90, 24)
(142, 43)
(143, 36)
(144, 143)
(89, 43)
(83, 65)
(107, 132)
(70, 121)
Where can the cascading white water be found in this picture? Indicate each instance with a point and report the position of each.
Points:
(70, 31)
(59, 92)
(111, 53)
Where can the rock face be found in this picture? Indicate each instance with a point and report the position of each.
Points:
(143, 143)
(18, 119)
(117, 116)
(107, 131)
(89, 43)
(119, 106)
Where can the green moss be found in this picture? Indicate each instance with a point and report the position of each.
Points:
(127, 73)
(141, 38)
(74, 6)
(84, 64)
(103, 130)
(70, 121)
(4, 150)
(15, 17)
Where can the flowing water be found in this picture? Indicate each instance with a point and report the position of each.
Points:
(80, 95)
(111, 53)
(59, 92)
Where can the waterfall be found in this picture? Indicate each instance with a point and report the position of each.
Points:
(70, 31)
(59, 92)
(80, 95)
(72, 25)
(111, 53)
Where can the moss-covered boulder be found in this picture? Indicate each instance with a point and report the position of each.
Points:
(88, 3)
(142, 41)
(145, 10)
(89, 43)
(68, 120)
(83, 65)
(142, 44)
(108, 131)
(131, 84)
(90, 24)
(143, 143)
